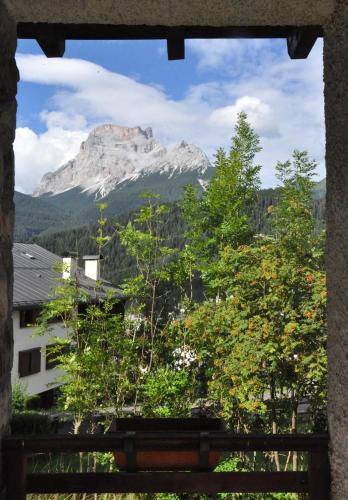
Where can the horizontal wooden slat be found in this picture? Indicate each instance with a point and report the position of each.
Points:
(173, 482)
(145, 440)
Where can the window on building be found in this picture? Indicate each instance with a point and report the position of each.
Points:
(52, 351)
(28, 317)
(29, 362)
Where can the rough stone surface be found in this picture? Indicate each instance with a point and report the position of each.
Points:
(8, 88)
(113, 155)
(176, 12)
(336, 117)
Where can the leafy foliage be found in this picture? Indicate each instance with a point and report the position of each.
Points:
(168, 392)
(264, 343)
(252, 349)
(223, 215)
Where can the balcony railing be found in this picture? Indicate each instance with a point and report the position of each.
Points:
(315, 481)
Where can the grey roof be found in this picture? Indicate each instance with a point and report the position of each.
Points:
(35, 277)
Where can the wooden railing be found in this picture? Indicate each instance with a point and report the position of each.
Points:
(315, 481)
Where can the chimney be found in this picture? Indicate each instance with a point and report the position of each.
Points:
(69, 267)
(92, 266)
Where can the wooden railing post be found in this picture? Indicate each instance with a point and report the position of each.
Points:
(319, 475)
(16, 480)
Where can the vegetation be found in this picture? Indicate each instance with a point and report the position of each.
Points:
(263, 338)
(251, 350)
(97, 342)
(118, 264)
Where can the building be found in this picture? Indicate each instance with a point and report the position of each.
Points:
(34, 279)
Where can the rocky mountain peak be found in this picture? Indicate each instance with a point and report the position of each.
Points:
(113, 154)
(120, 133)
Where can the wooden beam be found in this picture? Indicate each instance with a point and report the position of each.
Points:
(219, 440)
(169, 482)
(52, 47)
(143, 32)
(16, 477)
(301, 41)
(175, 48)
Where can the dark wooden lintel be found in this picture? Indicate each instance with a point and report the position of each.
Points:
(52, 47)
(145, 32)
(51, 36)
(301, 41)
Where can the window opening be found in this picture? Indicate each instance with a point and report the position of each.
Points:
(29, 362)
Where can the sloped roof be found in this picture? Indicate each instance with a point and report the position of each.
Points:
(35, 277)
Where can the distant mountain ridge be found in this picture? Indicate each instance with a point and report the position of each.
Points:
(114, 156)
(117, 164)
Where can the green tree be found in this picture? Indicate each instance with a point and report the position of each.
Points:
(98, 340)
(264, 344)
(223, 215)
(168, 392)
(293, 222)
(144, 241)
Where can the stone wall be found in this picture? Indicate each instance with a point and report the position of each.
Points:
(8, 88)
(176, 12)
(336, 118)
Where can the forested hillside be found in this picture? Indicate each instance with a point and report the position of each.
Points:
(117, 264)
(34, 215)
(74, 207)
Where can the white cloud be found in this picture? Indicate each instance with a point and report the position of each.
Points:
(37, 154)
(283, 99)
(259, 115)
(237, 56)
(58, 119)
(286, 95)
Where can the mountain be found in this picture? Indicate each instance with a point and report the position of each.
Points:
(116, 165)
(112, 157)
(34, 215)
(319, 190)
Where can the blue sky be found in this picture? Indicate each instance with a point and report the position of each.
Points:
(198, 99)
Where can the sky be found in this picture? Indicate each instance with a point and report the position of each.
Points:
(131, 83)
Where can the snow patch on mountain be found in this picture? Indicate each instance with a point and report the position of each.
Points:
(113, 154)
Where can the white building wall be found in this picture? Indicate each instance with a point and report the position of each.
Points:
(92, 269)
(24, 340)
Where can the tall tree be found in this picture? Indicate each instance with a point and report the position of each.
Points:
(144, 241)
(264, 344)
(222, 216)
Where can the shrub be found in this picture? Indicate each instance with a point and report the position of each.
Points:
(31, 422)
